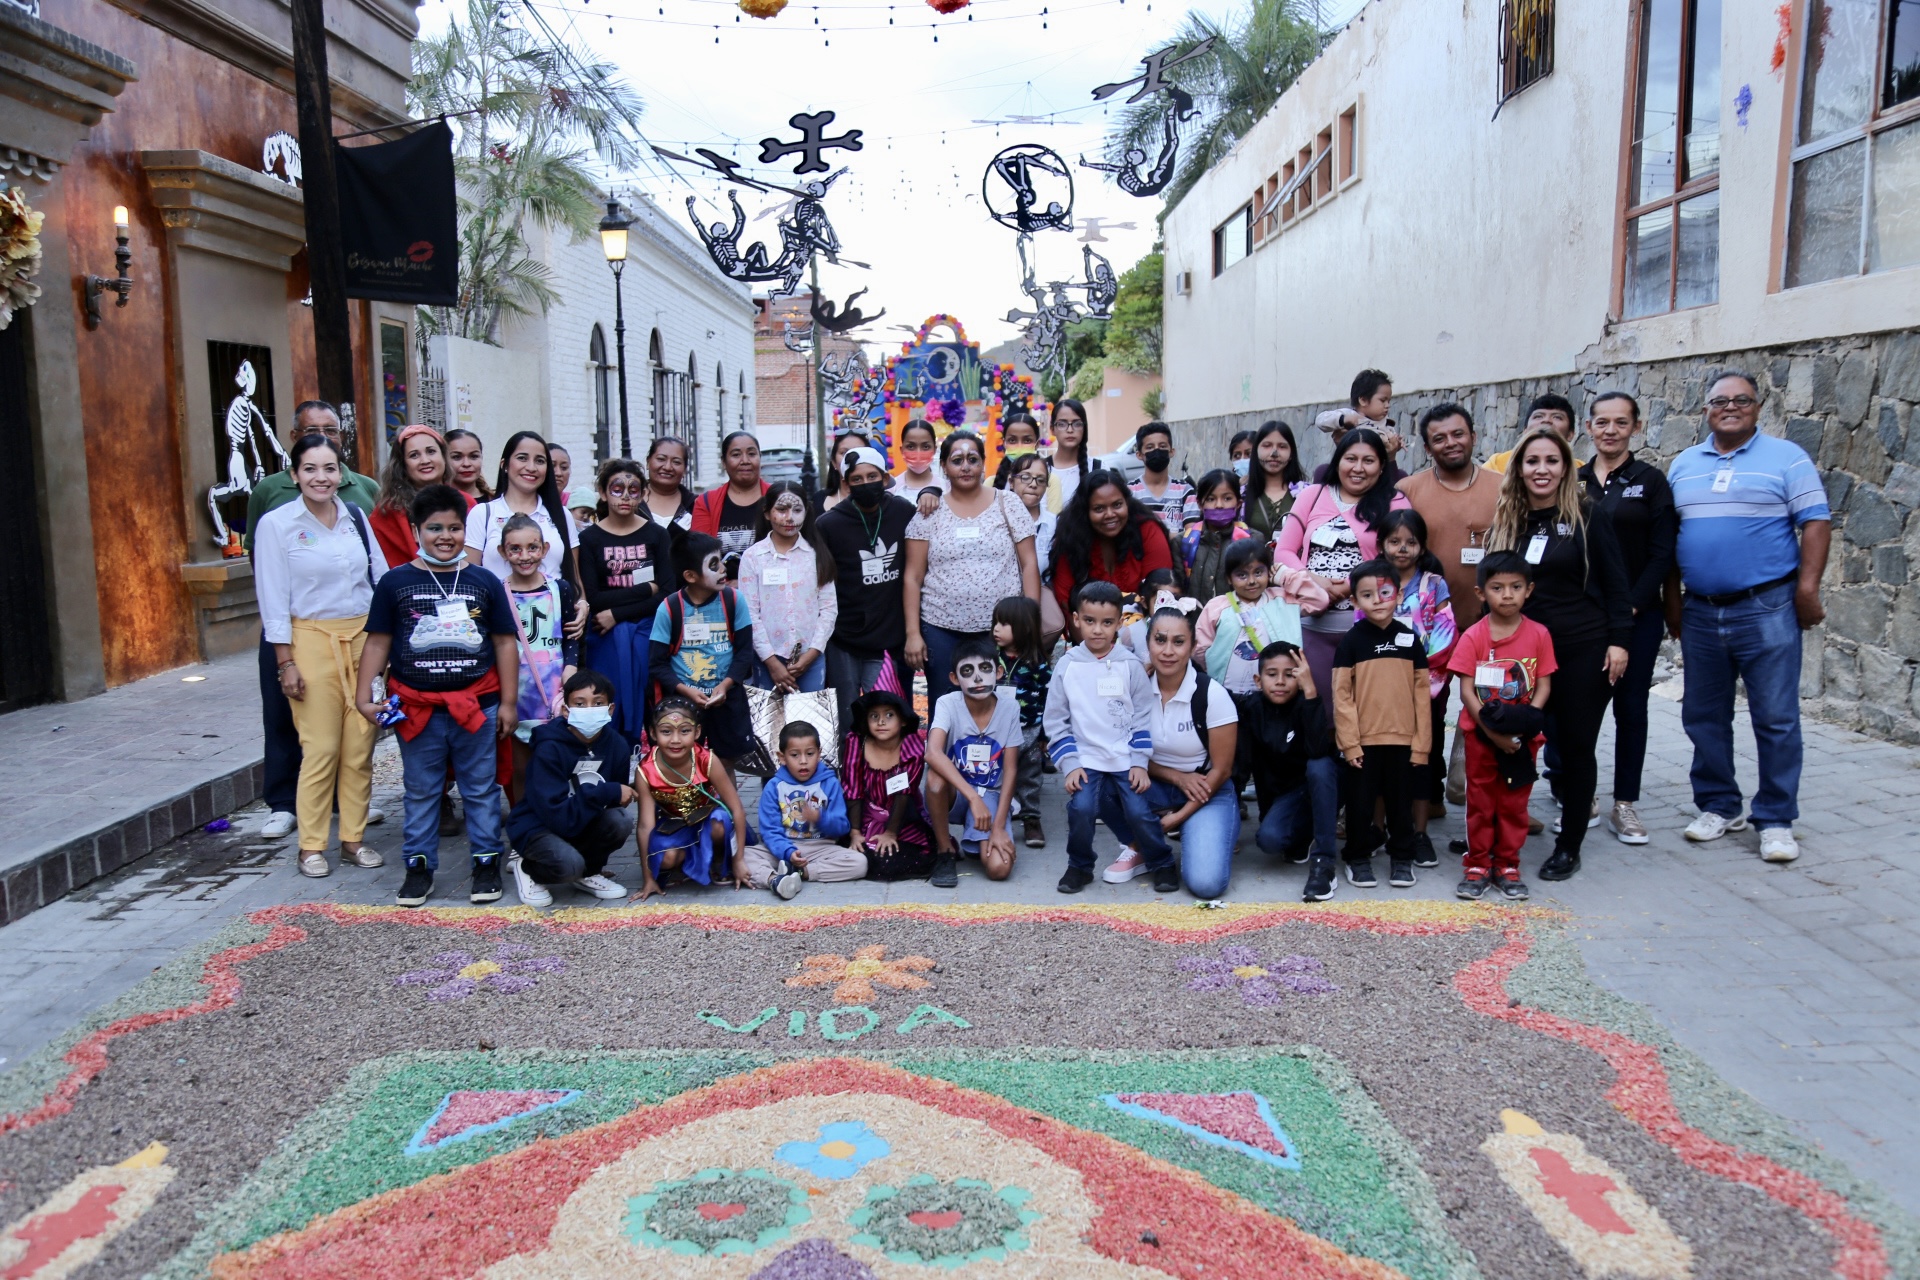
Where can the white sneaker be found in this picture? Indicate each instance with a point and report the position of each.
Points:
(375, 815)
(601, 887)
(279, 823)
(1711, 826)
(1593, 817)
(1626, 824)
(1129, 864)
(1778, 845)
(532, 892)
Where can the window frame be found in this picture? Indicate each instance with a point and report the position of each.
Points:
(1682, 191)
(1880, 119)
(1242, 214)
(1509, 58)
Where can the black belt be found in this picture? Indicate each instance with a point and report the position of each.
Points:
(1735, 597)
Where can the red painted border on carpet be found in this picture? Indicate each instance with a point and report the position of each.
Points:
(1642, 1094)
(449, 1226)
(89, 1057)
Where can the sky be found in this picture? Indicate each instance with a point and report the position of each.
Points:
(935, 98)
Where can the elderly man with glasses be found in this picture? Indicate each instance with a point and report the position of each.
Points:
(1754, 533)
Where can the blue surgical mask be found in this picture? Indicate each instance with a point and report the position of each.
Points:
(589, 721)
(1241, 466)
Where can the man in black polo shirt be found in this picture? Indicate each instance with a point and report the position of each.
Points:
(867, 537)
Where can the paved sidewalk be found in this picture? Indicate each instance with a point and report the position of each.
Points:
(87, 787)
(1798, 984)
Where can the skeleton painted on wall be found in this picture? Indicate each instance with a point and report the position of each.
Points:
(242, 414)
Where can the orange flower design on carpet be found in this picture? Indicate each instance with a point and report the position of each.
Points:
(855, 977)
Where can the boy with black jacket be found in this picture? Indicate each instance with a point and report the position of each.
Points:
(573, 814)
(1286, 743)
(1382, 717)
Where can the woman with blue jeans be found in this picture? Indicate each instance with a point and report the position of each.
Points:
(1192, 763)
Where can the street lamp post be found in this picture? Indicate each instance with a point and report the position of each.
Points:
(613, 243)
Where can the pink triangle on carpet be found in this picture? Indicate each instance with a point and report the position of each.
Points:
(466, 1112)
(1235, 1117)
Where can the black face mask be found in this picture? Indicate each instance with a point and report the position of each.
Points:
(1157, 459)
(868, 495)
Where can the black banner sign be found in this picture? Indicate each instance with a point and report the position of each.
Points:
(397, 221)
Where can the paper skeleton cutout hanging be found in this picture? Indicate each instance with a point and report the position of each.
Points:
(836, 379)
(813, 140)
(1132, 174)
(242, 414)
(1043, 343)
(849, 317)
(1101, 286)
(1030, 174)
(1095, 228)
(804, 333)
(804, 231)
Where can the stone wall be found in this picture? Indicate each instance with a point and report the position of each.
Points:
(1849, 402)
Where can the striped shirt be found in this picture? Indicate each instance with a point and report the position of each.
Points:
(1739, 512)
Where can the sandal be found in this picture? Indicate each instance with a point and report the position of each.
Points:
(314, 864)
(362, 857)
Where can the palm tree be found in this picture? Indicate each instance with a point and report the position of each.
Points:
(539, 113)
(1237, 81)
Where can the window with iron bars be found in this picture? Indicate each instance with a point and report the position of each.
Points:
(1526, 45)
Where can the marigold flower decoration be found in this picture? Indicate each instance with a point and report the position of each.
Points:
(947, 6)
(855, 977)
(19, 254)
(762, 8)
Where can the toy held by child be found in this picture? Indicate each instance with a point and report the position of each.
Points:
(1262, 607)
(884, 760)
(573, 814)
(690, 814)
(1024, 669)
(1381, 705)
(973, 752)
(803, 820)
(1286, 743)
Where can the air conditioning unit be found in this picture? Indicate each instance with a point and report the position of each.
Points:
(1183, 283)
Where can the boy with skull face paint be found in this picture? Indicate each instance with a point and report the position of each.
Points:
(973, 753)
(701, 648)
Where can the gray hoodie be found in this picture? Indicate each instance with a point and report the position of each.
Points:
(1100, 712)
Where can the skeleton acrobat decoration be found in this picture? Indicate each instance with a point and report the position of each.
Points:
(1101, 286)
(1132, 174)
(1030, 174)
(242, 413)
(850, 317)
(1043, 335)
(804, 231)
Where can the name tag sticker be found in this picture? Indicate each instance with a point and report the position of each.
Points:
(774, 575)
(1472, 555)
(967, 531)
(979, 753)
(1404, 639)
(896, 784)
(1325, 536)
(1723, 480)
(641, 575)
(1490, 675)
(1536, 548)
(696, 633)
(1111, 686)
(451, 610)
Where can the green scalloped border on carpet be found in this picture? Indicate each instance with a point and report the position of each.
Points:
(1554, 979)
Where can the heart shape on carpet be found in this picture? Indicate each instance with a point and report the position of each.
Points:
(722, 1212)
(936, 1221)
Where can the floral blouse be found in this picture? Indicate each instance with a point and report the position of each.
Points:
(972, 561)
(1425, 606)
(791, 611)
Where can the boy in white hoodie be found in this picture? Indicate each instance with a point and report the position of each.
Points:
(1099, 713)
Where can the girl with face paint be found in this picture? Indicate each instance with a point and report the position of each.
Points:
(973, 753)
(627, 564)
(787, 581)
(1206, 540)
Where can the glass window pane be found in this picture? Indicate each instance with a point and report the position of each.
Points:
(1659, 100)
(1697, 272)
(1842, 40)
(1894, 240)
(1903, 52)
(1823, 220)
(1649, 255)
(1703, 106)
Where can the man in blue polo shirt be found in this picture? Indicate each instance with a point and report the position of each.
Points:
(1752, 586)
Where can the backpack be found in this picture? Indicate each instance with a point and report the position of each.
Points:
(676, 607)
(1199, 707)
(360, 527)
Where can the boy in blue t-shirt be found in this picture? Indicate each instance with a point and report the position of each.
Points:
(702, 643)
(444, 633)
(803, 820)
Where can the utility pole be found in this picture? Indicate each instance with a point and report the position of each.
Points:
(818, 444)
(326, 263)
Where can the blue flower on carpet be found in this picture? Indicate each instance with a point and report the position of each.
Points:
(842, 1150)
(457, 974)
(1261, 986)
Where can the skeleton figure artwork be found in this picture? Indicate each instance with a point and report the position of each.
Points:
(1043, 340)
(1132, 174)
(849, 317)
(280, 157)
(804, 231)
(1022, 171)
(242, 414)
(1101, 286)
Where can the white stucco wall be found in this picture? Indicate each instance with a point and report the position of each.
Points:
(490, 392)
(1475, 250)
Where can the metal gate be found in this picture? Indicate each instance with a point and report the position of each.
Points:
(26, 654)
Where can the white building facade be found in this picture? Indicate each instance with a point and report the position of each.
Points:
(1486, 258)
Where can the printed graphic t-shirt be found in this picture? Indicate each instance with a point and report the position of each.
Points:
(706, 650)
(980, 755)
(1520, 661)
(442, 625)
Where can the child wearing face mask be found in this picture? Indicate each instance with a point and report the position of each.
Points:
(541, 606)
(1172, 500)
(1205, 543)
(917, 444)
(973, 752)
(1261, 606)
(702, 649)
(573, 815)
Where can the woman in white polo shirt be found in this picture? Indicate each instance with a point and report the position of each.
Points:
(315, 563)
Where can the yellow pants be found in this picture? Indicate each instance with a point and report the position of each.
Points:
(336, 741)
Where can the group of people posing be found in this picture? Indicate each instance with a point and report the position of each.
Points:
(575, 662)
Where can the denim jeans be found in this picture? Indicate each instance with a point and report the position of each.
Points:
(1756, 641)
(423, 765)
(812, 680)
(282, 739)
(1207, 838)
(552, 859)
(1132, 821)
(1630, 705)
(941, 644)
(1309, 811)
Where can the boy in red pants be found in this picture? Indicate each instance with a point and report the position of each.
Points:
(1505, 664)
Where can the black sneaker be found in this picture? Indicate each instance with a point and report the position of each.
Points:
(1320, 880)
(419, 884)
(1471, 888)
(944, 876)
(1401, 876)
(1360, 874)
(1560, 865)
(1167, 878)
(1031, 833)
(486, 878)
(1514, 889)
(1423, 851)
(1074, 879)
(1457, 846)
